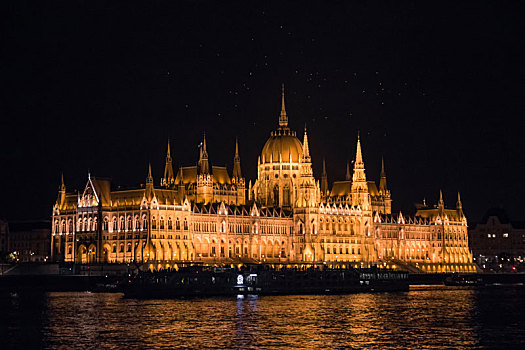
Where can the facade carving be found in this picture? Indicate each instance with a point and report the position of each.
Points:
(202, 214)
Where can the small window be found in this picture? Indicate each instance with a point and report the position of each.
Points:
(506, 235)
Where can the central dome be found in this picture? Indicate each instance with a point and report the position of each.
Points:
(282, 143)
(286, 145)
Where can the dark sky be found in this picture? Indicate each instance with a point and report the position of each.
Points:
(435, 89)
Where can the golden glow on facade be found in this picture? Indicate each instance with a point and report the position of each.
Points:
(202, 214)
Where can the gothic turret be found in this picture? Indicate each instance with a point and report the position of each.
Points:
(61, 199)
(168, 178)
(236, 163)
(204, 167)
(459, 206)
(324, 180)
(382, 179)
(306, 148)
(149, 185)
(359, 187)
(441, 203)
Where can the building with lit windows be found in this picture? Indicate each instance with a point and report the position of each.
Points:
(497, 236)
(287, 216)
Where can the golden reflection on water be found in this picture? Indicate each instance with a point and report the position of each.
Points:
(424, 318)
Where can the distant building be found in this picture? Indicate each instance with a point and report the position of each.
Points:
(30, 241)
(497, 236)
(288, 217)
(4, 236)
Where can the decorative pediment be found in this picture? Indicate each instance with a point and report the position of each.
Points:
(89, 197)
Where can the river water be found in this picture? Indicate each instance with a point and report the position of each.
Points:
(426, 317)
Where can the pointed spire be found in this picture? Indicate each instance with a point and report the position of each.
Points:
(237, 162)
(61, 192)
(169, 177)
(459, 206)
(204, 166)
(348, 177)
(283, 118)
(382, 179)
(358, 154)
(149, 184)
(149, 179)
(324, 180)
(306, 148)
(62, 184)
(359, 187)
(441, 203)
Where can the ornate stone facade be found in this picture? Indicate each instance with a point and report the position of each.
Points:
(203, 215)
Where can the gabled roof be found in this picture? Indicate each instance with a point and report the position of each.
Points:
(188, 174)
(102, 188)
(343, 188)
(220, 175)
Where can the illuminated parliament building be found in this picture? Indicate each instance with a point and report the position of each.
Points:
(288, 217)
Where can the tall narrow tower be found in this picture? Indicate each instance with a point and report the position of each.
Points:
(168, 179)
(236, 163)
(324, 181)
(237, 179)
(204, 166)
(359, 189)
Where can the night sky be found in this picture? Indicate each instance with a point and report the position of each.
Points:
(437, 90)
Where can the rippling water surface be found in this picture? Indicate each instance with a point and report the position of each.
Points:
(426, 317)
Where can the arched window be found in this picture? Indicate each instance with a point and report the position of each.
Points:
(185, 223)
(114, 227)
(177, 224)
(170, 223)
(69, 249)
(94, 224)
(114, 248)
(129, 248)
(70, 225)
(153, 223)
(144, 223)
(130, 224)
(121, 224)
(88, 228)
(162, 223)
(301, 229)
(276, 195)
(286, 196)
(56, 226)
(105, 224)
(63, 226)
(84, 224)
(121, 250)
(137, 223)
